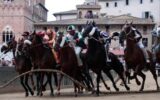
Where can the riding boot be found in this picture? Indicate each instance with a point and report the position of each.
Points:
(55, 56)
(77, 51)
(146, 55)
(108, 59)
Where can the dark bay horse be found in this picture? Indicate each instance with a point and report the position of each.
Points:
(96, 54)
(22, 63)
(134, 56)
(68, 63)
(42, 58)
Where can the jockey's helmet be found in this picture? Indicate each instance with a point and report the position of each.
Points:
(71, 28)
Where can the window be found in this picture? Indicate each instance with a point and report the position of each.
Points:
(7, 36)
(127, 2)
(115, 4)
(80, 14)
(145, 41)
(107, 4)
(146, 14)
(141, 1)
(89, 14)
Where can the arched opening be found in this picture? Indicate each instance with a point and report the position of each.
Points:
(7, 34)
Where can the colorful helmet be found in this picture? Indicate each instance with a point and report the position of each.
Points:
(71, 28)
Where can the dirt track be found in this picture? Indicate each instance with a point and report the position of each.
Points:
(20, 96)
(67, 94)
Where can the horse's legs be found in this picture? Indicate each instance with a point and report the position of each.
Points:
(26, 90)
(32, 82)
(41, 82)
(98, 81)
(140, 73)
(106, 86)
(152, 70)
(87, 74)
(59, 84)
(135, 75)
(49, 76)
(26, 83)
(55, 79)
(37, 82)
(121, 75)
(127, 76)
(111, 78)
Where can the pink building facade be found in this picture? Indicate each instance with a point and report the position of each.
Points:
(17, 16)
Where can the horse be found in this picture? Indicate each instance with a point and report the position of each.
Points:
(96, 54)
(68, 63)
(42, 58)
(134, 56)
(22, 63)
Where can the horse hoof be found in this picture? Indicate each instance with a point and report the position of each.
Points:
(108, 88)
(138, 83)
(26, 95)
(58, 93)
(32, 93)
(141, 90)
(117, 89)
(93, 91)
(41, 94)
(34, 88)
(76, 95)
(37, 93)
(43, 88)
(128, 89)
(51, 94)
(97, 93)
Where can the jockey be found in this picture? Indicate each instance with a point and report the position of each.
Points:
(138, 38)
(57, 31)
(73, 38)
(156, 34)
(49, 39)
(107, 40)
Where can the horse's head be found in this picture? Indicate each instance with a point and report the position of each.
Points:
(33, 41)
(10, 45)
(91, 32)
(89, 29)
(128, 31)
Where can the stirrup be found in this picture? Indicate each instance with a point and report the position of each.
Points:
(148, 61)
(108, 60)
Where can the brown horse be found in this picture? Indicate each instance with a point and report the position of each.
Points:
(22, 63)
(42, 58)
(68, 63)
(134, 56)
